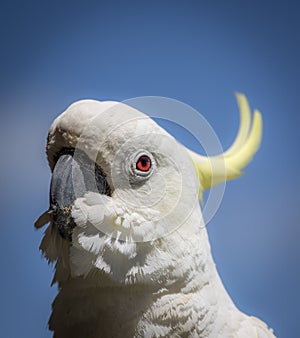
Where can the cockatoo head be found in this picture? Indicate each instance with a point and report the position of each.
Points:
(124, 192)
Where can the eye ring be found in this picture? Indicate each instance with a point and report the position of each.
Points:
(142, 164)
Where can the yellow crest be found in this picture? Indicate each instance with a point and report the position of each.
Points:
(228, 165)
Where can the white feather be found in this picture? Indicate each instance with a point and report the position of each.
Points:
(139, 264)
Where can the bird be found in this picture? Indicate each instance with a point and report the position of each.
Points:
(126, 233)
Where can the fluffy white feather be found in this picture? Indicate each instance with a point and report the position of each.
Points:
(139, 263)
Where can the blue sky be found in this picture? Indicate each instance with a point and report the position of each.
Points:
(198, 52)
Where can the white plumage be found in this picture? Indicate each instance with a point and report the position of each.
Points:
(138, 261)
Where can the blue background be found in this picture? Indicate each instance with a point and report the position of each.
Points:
(198, 52)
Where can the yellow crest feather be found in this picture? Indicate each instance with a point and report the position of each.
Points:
(228, 165)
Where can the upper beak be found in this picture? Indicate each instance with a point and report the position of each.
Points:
(74, 175)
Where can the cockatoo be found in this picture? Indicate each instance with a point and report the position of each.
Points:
(131, 251)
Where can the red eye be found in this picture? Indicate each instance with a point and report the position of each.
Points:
(143, 163)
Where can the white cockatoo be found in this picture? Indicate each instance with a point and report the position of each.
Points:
(131, 252)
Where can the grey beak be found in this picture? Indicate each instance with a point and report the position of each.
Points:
(74, 175)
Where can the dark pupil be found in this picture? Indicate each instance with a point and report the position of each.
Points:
(144, 161)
